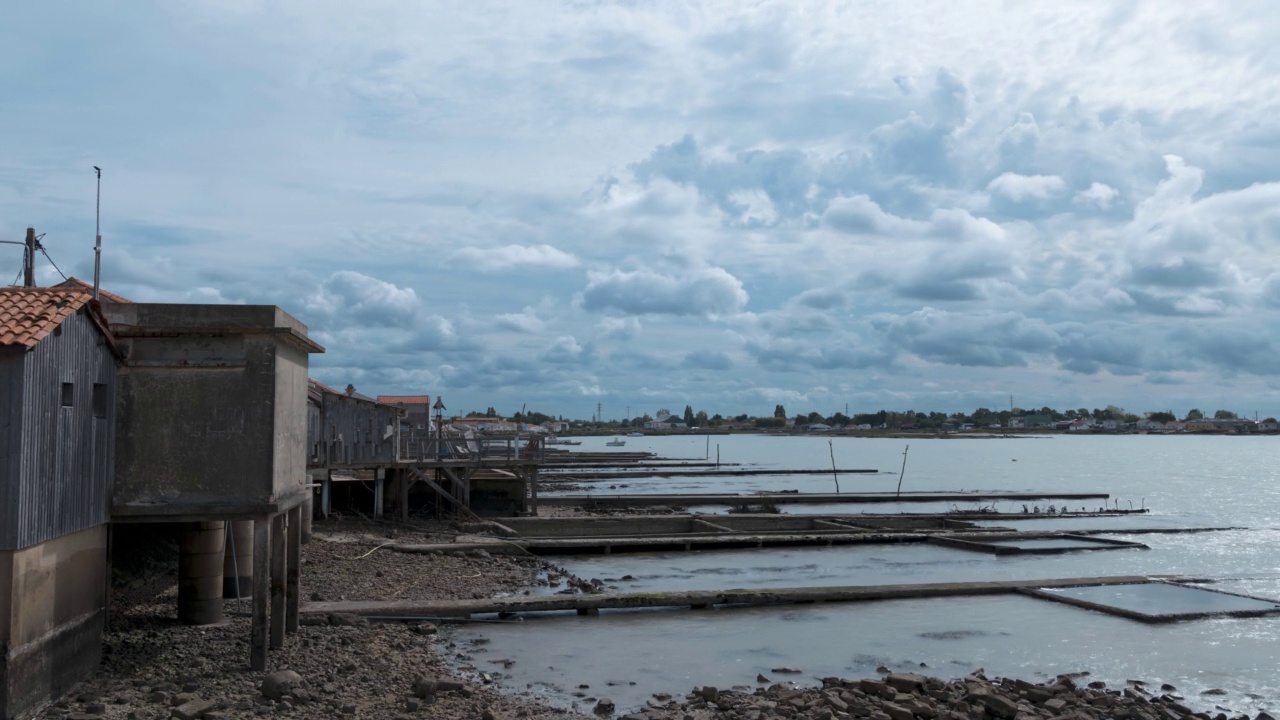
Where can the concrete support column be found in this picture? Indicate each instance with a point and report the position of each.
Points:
(379, 486)
(292, 589)
(278, 568)
(237, 565)
(200, 557)
(261, 568)
(308, 509)
(326, 497)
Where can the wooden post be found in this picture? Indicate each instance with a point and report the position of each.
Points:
(261, 566)
(326, 495)
(279, 561)
(405, 480)
(379, 486)
(292, 598)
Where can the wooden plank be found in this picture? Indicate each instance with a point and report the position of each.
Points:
(261, 565)
(292, 586)
(278, 566)
(686, 500)
(774, 596)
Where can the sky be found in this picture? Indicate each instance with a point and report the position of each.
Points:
(935, 205)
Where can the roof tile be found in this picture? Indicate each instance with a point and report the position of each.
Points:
(28, 315)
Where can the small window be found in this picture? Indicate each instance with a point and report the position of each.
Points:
(68, 394)
(99, 400)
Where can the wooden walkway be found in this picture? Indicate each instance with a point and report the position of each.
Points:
(687, 500)
(593, 604)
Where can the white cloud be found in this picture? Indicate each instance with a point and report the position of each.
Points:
(708, 292)
(525, 322)
(1098, 194)
(513, 256)
(350, 298)
(1023, 187)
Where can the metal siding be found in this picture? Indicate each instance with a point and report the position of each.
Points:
(352, 431)
(65, 468)
(11, 363)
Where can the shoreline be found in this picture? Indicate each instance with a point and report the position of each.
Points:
(153, 668)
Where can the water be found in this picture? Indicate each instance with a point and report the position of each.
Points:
(1196, 481)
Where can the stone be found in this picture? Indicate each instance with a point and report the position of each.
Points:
(192, 710)
(425, 687)
(1214, 691)
(413, 704)
(760, 678)
(313, 620)
(897, 712)
(905, 682)
(604, 707)
(1001, 706)
(280, 683)
(348, 709)
(787, 670)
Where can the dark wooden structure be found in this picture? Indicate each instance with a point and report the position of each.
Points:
(57, 414)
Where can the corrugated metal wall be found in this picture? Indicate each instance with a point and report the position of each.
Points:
(65, 451)
(355, 432)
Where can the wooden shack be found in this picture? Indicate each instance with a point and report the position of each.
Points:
(57, 431)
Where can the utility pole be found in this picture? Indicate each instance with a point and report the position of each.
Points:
(29, 260)
(97, 233)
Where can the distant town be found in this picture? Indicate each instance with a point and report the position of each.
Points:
(1111, 419)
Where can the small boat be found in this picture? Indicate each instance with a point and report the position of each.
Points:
(553, 440)
(616, 442)
(635, 433)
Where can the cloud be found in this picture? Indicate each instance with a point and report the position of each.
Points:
(489, 260)
(524, 322)
(708, 292)
(1098, 194)
(708, 360)
(615, 328)
(349, 298)
(1023, 187)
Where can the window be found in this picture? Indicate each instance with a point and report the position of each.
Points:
(68, 394)
(99, 400)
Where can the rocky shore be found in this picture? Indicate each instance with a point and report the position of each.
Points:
(342, 666)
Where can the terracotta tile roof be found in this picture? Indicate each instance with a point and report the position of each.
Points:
(404, 399)
(72, 283)
(28, 315)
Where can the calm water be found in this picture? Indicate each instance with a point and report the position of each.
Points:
(1186, 481)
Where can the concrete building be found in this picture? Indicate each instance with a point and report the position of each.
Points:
(212, 427)
(57, 400)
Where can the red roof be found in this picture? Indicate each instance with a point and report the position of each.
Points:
(28, 315)
(404, 399)
(72, 283)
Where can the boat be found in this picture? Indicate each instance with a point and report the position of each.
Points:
(616, 442)
(635, 433)
(553, 440)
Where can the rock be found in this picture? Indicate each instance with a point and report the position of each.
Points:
(760, 678)
(488, 715)
(709, 693)
(1166, 687)
(349, 709)
(787, 670)
(905, 682)
(413, 704)
(280, 683)
(897, 712)
(313, 620)
(1214, 691)
(192, 710)
(425, 687)
(1001, 706)
(604, 707)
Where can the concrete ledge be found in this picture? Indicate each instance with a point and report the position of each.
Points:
(804, 498)
(594, 603)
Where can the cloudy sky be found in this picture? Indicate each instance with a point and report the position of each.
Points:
(930, 205)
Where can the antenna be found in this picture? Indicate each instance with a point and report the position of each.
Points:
(97, 233)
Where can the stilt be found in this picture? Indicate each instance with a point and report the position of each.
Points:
(237, 566)
(279, 561)
(308, 509)
(326, 496)
(405, 480)
(379, 486)
(261, 565)
(294, 570)
(200, 573)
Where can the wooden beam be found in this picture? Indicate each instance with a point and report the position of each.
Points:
(261, 566)
(292, 586)
(279, 561)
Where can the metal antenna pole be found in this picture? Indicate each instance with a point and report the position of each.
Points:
(97, 233)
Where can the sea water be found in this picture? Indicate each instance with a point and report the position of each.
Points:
(1186, 482)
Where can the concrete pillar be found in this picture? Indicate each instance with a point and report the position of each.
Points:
(237, 564)
(292, 589)
(378, 485)
(200, 573)
(308, 509)
(261, 566)
(278, 570)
